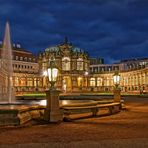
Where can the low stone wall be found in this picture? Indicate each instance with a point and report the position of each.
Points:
(70, 112)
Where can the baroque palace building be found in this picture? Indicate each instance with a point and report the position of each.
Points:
(26, 76)
(133, 72)
(73, 63)
(78, 72)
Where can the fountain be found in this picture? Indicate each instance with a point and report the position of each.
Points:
(12, 112)
(7, 94)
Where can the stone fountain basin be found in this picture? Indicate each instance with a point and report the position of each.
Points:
(19, 114)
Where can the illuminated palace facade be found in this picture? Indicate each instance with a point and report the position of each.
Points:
(78, 72)
(133, 75)
(73, 64)
(26, 76)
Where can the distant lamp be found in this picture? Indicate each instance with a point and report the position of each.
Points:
(52, 72)
(116, 79)
(117, 94)
(45, 73)
(79, 78)
(86, 73)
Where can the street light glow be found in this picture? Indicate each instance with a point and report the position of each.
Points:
(52, 74)
(116, 78)
(45, 73)
(86, 73)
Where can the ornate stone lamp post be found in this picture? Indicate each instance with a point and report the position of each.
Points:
(117, 90)
(52, 112)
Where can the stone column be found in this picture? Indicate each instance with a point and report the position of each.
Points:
(117, 95)
(52, 112)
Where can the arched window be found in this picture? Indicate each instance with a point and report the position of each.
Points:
(16, 81)
(92, 81)
(23, 81)
(29, 82)
(107, 81)
(99, 81)
(86, 66)
(80, 64)
(66, 63)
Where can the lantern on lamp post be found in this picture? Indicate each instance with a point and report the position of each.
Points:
(116, 80)
(52, 73)
(52, 111)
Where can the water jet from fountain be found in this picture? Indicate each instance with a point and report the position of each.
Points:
(7, 94)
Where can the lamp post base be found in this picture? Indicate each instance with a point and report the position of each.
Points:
(52, 112)
(117, 95)
(54, 116)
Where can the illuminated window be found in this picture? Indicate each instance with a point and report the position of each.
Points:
(99, 81)
(29, 82)
(80, 81)
(92, 81)
(66, 63)
(23, 82)
(16, 81)
(80, 64)
(25, 58)
(107, 82)
(21, 58)
(16, 57)
(86, 66)
(35, 81)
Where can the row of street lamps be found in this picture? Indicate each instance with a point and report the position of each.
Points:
(52, 72)
(52, 111)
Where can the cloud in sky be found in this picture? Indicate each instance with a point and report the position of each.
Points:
(111, 29)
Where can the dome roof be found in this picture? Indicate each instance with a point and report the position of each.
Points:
(76, 49)
(52, 48)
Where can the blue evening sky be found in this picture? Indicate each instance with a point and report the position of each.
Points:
(111, 29)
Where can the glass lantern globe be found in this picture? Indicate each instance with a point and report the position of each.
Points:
(116, 79)
(52, 72)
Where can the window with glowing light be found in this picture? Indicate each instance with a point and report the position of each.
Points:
(23, 81)
(29, 82)
(66, 63)
(86, 66)
(16, 81)
(80, 64)
(99, 81)
(92, 81)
